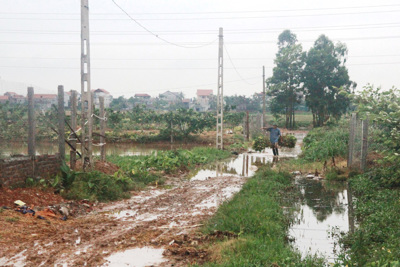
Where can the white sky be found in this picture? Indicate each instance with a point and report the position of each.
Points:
(40, 42)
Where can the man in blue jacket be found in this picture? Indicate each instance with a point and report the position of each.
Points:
(274, 136)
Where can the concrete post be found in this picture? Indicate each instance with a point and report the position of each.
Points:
(61, 122)
(353, 123)
(31, 124)
(364, 148)
(102, 130)
(72, 153)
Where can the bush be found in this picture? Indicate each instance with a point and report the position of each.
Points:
(261, 142)
(325, 143)
(99, 186)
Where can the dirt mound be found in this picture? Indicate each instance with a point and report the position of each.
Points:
(102, 166)
(31, 196)
(106, 167)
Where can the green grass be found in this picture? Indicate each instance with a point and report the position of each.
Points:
(303, 119)
(255, 214)
(376, 241)
(169, 161)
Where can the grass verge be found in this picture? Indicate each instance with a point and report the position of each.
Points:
(256, 215)
(135, 173)
(376, 240)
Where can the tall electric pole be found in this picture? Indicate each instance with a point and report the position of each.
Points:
(86, 99)
(263, 112)
(220, 93)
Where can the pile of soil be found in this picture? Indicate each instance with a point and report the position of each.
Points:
(31, 196)
(101, 166)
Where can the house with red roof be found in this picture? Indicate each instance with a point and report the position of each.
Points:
(97, 93)
(203, 99)
(45, 101)
(4, 99)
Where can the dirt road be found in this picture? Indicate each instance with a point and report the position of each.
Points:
(153, 218)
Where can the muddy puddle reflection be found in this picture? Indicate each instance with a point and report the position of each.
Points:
(242, 165)
(126, 149)
(321, 209)
(145, 256)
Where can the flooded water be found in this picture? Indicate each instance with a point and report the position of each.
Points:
(244, 164)
(143, 257)
(127, 149)
(322, 210)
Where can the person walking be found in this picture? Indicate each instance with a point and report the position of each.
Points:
(275, 134)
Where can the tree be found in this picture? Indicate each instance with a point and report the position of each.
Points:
(285, 84)
(325, 76)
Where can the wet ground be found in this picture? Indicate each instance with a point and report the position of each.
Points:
(143, 230)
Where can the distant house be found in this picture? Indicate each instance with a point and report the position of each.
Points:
(15, 98)
(142, 96)
(45, 101)
(186, 102)
(68, 99)
(203, 99)
(143, 99)
(104, 93)
(4, 99)
(172, 97)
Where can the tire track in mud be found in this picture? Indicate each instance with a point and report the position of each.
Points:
(151, 218)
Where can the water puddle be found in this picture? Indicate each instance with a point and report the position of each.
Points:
(137, 257)
(322, 207)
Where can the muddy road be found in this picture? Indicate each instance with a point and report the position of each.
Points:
(145, 230)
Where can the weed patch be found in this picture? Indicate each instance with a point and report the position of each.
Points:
(256, 216)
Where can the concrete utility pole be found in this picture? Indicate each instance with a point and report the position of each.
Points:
(220, 93)
(263, 111)
(86, 99)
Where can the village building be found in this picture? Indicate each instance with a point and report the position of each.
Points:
(203, 99)
(45, 101)
(97, 93)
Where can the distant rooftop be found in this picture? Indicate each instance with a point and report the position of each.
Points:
(204, 92)
(100, 90)
(142, 95)
(45, 96)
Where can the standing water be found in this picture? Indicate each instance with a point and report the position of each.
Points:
(322, 213)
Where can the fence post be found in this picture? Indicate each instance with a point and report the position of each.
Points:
(72, 153)
(102, 130)
(247, 126)
(61, 122)
(353, 122)
(364, 148)
(31, 124)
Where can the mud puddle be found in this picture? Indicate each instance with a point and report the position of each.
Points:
(137, 257)
(323, 210)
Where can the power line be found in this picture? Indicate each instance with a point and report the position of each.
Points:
(213, 18)
(206, 32)
(194, 43)
(233, 65)
(156, 35)
(176, 68)
(210, 12)
(171, 59)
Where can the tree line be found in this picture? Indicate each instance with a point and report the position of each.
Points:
(319, 76)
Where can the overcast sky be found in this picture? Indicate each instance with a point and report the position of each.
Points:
(40, 42)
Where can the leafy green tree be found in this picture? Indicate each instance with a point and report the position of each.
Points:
(285, 83)
(183, 122)
(325, 76)
(383, 108)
